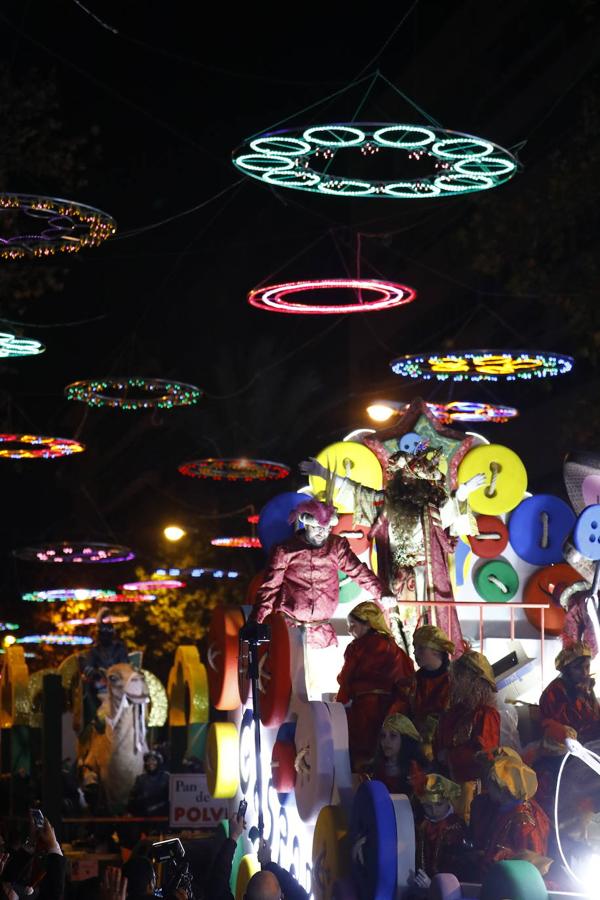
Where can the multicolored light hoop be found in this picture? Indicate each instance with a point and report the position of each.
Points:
(35, 446)
(83, 595)
(234, 469)
(237, 543)
(445, 163)
(483, 365)
(272, 298)
(463, 411)
(91, 620)
(75, 552)
(198, 572)
(162, 394)
(12, 346)
(153, 584)
(72, 640)
(9, 626)
(62, 226)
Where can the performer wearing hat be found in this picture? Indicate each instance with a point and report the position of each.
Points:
(470, 724)
(569, 701)
(431, 696)
(506, 821)
(441, 833)
(301, 578)
(398, 758)
(376, 674)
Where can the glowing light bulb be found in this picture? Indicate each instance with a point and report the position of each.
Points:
(382, 411)
(9, 640)
(174, 533)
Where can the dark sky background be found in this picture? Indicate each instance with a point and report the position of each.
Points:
(162, 104)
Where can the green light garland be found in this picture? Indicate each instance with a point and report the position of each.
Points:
(163, 394)
(303, 159)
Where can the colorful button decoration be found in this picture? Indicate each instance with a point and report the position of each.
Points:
(314, 759)
(482, 365)
(62, 226)
(373, 841)
(234, 469)
(505, 474)
(330, 851)
(274, 298)
(356, 535)
(36, 446)
(275, 677)
(350, 459)
(410, 442)
(492, 538)
(133, 393)
(586, 534)
(273, 525)
(75, 552)
(222, 760)
(283, 773)
(546, 586)
(496, 581)
(317, 159)
(223, 656)
(538, 528)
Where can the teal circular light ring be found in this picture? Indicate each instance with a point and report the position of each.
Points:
(358, 138)
(459, 183)
(306, 180)
(283, 146)
(428, 137)
(441, 148)
(12, 346)
(346, 187)
(409, 190)
(486, 165)
(263, 162)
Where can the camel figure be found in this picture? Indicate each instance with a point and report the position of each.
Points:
(117, 754)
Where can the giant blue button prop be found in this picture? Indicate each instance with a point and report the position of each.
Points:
(410, 441)
(373, 842)
(586, 534)
(538, 528)
(273, 527)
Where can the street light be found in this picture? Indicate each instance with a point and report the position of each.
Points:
(383, 410)
(174, 533)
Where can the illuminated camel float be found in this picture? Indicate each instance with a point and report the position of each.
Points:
(116, 754)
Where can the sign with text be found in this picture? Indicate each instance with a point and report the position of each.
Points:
(190, 804)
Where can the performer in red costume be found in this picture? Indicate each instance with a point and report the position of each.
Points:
(431, 696)
(506, 821)
(376, 674)
(441, 833)
(471, 723)
(569, 701)
(398, 758)
(301, 579)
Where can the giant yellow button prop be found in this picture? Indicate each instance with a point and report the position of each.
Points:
(506, 478)
(222, 760)
(350, 459)
(249, 866)
(330, 851)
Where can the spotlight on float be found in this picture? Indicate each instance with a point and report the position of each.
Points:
(174, 533)
(9, 640)
(589, 868)
(383, 410)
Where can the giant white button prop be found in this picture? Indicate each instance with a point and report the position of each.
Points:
(405, 839)
(352, 460)
(506, 478)
(538, 528)
(314, 759)
(373, 841)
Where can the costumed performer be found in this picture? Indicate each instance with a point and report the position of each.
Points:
(569, 701)
(471, 723)
(108, 650)
(376, 674)
(506, 821)
(415, 524)
(399, 762)
(301, 577)
(440, 835)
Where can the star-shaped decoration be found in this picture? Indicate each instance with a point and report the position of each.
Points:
(418, 419)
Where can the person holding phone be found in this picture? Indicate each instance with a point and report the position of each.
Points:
(39, 863)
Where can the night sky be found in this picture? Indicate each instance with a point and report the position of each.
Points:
(161, 106)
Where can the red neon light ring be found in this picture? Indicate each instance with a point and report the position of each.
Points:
(153, 584)
(271, 298)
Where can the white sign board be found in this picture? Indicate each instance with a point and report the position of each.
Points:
(190, 804)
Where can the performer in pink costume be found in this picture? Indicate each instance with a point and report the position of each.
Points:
(301, 578)
(414, 523)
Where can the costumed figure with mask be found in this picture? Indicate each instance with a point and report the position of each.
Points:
(415, 523)
(107, 651)
(301, 577)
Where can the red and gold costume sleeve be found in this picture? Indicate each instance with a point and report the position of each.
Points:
(269, 590)
(350, 565)
(576, 711)
(462, 733)
(508, 834)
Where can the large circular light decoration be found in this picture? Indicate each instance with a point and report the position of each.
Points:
(197, 572)
(238, 543)
(133, 393)
(235, 469)
(274, 298)
(482, 365)
(464, 411)
(36, 446)
(75, 552)
(71, 640)
(9, 626)
(92, 620)
(42, 226)
(153, 584)
(12, 346)
(83, 595)
(425, 162)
